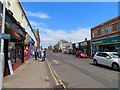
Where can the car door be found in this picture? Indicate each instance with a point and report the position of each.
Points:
(106, 61)
(99, 58)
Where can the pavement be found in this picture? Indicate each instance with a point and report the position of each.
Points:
(31, 74)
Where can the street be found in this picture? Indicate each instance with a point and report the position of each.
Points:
(81, 73)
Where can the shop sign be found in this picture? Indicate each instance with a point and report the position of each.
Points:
(4, 36)
(10, 67)
(107, 40)
(83, 44)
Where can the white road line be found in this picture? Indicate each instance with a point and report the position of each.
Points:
(55, 61)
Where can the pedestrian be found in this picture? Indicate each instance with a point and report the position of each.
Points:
(42, 55)
(36, 54)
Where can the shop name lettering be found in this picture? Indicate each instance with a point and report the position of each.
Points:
(115, 40)
(97, 42)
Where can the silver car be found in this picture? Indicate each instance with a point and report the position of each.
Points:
(111, 59)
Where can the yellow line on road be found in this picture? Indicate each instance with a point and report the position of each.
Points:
(52, 73)
(55, 76)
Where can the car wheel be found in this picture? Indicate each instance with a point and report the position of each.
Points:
(115, 66)
(95, 62)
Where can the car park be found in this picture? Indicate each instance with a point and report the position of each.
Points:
(111, 59)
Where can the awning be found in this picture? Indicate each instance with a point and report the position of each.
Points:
(14, 35)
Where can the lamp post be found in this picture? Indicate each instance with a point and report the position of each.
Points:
(2, 44)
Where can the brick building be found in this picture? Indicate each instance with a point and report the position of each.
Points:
(106, 36)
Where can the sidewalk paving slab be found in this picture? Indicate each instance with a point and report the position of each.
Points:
(32, 74)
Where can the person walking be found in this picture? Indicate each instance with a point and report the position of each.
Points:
(44, 54)
(36, 54)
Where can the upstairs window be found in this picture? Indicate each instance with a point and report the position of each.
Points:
(119, 26)
(106, 30)
(94, 34)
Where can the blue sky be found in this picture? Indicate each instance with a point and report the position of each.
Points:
(62, 20)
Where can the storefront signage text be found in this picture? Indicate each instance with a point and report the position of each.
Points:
(107, 40)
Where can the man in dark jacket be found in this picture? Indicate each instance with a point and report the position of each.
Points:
(36, 54)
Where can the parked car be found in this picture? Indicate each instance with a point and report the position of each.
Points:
(66, 51)
(80, 54)
(111, 59)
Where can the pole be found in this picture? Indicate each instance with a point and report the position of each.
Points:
(2, 46)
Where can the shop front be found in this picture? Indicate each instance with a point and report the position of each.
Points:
(85, 47)
(32, 48)
(13, 49)
(107, 44)
(28, 49)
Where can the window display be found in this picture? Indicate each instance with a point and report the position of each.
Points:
(18, 53)
(11, 52)
(14, 52)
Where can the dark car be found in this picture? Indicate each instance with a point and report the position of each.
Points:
(80, 54)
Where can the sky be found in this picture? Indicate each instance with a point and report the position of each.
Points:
(70, 21)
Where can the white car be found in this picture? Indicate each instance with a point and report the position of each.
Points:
(111, 59)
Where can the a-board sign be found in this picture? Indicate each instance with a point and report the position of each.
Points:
(10, 67)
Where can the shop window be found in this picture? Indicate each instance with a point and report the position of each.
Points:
(18, 52)
(11, 52)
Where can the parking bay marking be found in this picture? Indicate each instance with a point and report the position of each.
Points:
(55, 61)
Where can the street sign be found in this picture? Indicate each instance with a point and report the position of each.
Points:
(4, 36)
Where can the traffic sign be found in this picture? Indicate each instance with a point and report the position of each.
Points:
(4, 36)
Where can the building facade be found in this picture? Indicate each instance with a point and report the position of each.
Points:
(84, 46)
(22, 40)
(63, 44)
(37, 36)
(106, 36)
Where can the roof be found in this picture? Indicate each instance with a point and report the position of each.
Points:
(63, 41)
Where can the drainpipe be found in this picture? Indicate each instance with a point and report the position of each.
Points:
(2, 46)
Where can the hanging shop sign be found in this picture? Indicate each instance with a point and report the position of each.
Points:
(4, 36)
(107, 40)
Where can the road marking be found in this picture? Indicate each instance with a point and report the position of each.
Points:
(57, 79)
(55, 61)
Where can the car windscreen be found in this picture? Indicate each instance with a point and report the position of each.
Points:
(115, 55)
(82, 53)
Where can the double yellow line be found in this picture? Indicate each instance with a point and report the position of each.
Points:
(57, 79)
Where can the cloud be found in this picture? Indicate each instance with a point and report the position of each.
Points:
(37, 25)
(51, 37)
(38, 15)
